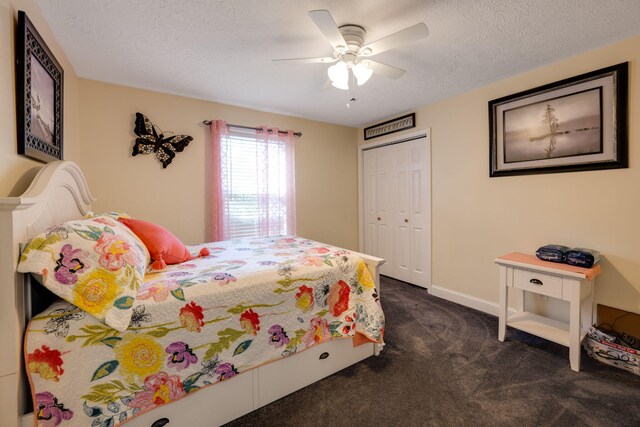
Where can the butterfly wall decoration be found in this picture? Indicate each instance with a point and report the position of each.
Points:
(149, 140)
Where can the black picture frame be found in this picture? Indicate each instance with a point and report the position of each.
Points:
(583, 118)
(39, 95)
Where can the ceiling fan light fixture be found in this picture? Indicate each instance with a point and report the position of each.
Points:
(340, 85)
(362, 73)
(339, 75)
(351, 53)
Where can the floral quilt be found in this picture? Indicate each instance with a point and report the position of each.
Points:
(197, 323)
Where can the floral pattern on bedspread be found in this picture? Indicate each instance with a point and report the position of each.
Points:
(194, 324)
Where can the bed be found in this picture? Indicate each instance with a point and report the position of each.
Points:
(290, 357)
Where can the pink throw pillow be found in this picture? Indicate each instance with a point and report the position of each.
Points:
(164, 247)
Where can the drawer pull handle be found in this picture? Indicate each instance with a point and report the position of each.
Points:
(324, 355)
(160, 422)
(536, 282)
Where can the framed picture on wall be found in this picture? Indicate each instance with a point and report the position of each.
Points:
(39, 92)
(575, 124)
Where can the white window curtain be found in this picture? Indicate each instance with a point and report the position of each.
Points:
(252, 182)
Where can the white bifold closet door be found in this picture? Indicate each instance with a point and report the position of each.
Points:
(396, 209)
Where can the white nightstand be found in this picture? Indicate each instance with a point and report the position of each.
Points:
(525, 272)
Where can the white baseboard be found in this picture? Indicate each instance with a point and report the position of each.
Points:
(464, 299)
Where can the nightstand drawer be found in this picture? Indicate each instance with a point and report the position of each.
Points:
(540, 283)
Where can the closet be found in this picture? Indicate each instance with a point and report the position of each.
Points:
(396, 207)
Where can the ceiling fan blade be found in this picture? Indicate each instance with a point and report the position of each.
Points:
(324, 60)
(328, 26)
(384, 69)
(402, 37)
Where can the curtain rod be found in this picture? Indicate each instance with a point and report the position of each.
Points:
(208, 123)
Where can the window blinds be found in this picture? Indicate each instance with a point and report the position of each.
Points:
(254, 181)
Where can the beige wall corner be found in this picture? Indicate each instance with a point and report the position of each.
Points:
(175, 197)
(13, 166)
(477, 218)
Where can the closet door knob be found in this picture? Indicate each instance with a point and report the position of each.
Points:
(378, 218)
(406, 220)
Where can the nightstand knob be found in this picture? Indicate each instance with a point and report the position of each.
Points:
(536, 282)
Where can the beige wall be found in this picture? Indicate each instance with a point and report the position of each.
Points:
(326, 176)
(13, 166)
(477, 218)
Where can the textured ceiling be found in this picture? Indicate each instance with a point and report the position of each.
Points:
(221, 50)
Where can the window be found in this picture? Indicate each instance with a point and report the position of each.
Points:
(256, 183)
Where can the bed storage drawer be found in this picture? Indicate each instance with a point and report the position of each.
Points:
(234, 398)
(277, 380)
(540, 283)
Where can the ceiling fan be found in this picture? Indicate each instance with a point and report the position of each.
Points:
(351, 52)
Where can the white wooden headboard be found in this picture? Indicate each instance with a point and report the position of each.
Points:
(58, 193)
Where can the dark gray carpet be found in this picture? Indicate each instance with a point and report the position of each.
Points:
(443, 365)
